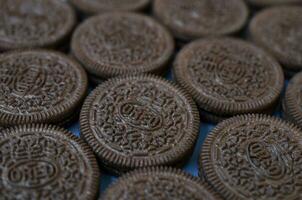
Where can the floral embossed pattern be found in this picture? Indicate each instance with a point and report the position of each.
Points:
(30, 23)
(229, 72)
(292, 101)
(44, 164)
(196, 18)
(279, 31)
(36, 82)
(122, 43)
(159, 184)
(254, 157)
(139, 118)
(143, 119)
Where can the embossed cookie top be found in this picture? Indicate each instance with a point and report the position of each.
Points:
(139, 121)
(192, 19)
(292, 102)
(34, 23)
(279, 30)
(272, 2)
(46, 162)
(98, 6)
(229, 76)
(159, 184)
(39, 86)
(122, 43)
(254, 157)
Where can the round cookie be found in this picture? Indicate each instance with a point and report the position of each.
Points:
(253, 157)
(116, 44)
(292, 101)
(39, 86)
(278, 30)
(193, 19)
(139, 121)
(34, 23)
(159, 184)
(262, 3)
(100, 6)
(228, 76)
(46, 162)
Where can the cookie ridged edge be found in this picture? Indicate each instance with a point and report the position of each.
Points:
(105, 70)
(205, 167)
(110, 159)
(161, 170)
(214, 106)
(47, 44)
(61, 132)
(57, 114)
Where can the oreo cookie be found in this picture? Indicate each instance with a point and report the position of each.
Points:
(292, 101)
(115, 44)
(46, 162)
(101, 6)
(139, 121)
(40, 86)
(34, 23)
(193, 19)
(228, 76)
(261, 3)
(278, 30)
(253, 157)
(159, 183)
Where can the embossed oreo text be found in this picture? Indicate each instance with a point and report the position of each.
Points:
(38, 166)
(139, 118)
(259, 161)
(31, 174)
(35, 82)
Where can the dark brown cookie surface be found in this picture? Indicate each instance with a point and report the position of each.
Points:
(122, 43)
(254, 157)
(159, 184)
(34, 23)
(139, 121)
(292, 102)
(192, 19)
(99, 6)
(279, 31)
(46, 162)
(272, 2)
(39, 86)
(228, 76)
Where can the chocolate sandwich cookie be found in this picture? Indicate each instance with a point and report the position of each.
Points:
(193, 19)
(159, 184)
(115, 44)
(261, 3)
(100, 6)
(292, 102)
(278, 30)
(40, 86)
(34, 23)
(46, 162)
(228, 76)
(139, 121)
(253, 157)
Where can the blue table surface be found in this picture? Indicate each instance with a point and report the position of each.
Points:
(191, 166)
